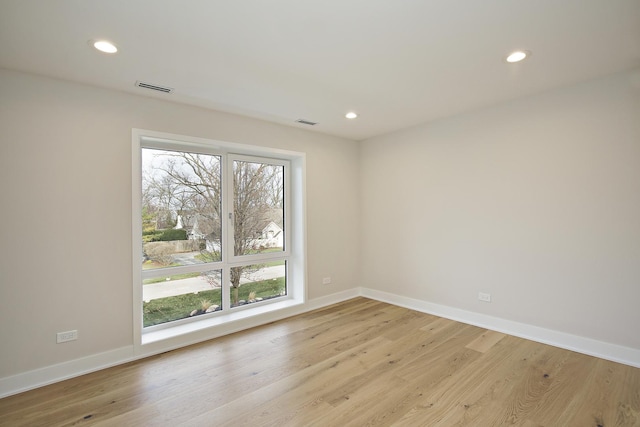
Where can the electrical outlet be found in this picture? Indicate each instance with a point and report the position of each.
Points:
(326, 281)
(484, 297)
(66, 336)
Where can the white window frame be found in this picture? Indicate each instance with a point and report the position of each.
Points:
(186, 331)
(246, 259)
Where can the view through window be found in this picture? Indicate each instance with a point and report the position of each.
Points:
(213, 233)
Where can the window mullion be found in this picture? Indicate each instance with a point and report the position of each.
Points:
(229, 199)
(227, 229)
(226, 279)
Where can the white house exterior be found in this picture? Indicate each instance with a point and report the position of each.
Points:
(271, 236)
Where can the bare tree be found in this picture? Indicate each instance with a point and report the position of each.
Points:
(190, 184)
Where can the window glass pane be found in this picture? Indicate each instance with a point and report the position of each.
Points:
(180, 208)
(258, 208)
(180, 296)
(257, 282)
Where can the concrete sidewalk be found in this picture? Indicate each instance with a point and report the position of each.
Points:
(174, 287)
(198, 284)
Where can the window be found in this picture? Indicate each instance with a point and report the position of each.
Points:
(258, 189)
(216, 229)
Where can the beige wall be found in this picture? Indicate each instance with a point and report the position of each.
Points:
(536, 201)
(65, 220)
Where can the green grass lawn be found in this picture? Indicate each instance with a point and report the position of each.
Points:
(168, 309)
(174, 277)
(263, 289)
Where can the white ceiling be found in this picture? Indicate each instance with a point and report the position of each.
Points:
(397, 63)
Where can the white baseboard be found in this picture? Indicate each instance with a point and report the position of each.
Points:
(50, 374)
(73, 368)
(616, 353)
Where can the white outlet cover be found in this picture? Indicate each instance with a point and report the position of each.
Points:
(484, 297)
(66, 336)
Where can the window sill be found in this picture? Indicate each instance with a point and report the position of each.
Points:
(224, 323)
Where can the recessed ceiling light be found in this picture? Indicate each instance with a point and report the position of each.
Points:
(351, 115)
(104, 46)
(518, 56)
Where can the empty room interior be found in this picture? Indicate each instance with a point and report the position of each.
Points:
(412, 213)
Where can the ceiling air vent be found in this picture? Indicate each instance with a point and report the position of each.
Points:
(306, 122)
(154, 87)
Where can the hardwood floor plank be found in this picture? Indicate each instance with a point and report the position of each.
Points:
(360, 362)
(485, 341)
(609, 396)
(301, 389)
(471, 393)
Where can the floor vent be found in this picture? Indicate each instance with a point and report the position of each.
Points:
(306, 122)
(154, 87)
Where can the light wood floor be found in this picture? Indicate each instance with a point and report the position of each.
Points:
(357, 363)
